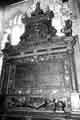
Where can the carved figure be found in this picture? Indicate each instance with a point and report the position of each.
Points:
(67, 30)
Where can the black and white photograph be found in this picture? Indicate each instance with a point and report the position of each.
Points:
(40, 60)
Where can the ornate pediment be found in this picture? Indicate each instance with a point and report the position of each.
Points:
(38, 26)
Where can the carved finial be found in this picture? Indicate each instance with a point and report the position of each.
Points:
(38, 10)
(49, 12)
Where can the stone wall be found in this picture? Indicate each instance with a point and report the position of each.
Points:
(1, 35)
(76, 31)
